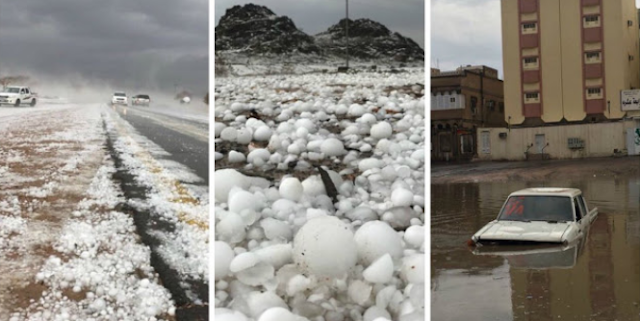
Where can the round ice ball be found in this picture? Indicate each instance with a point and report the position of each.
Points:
(225, 180)
(413, 268)
(291, 189)
(332, 147)
(375, 239)
(322, 238)
(414, 235)
(381, 130)
(279, 314)
(401, 197)
(224, 255)
(262, 134)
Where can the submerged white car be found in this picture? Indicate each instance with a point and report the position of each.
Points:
(539, 215)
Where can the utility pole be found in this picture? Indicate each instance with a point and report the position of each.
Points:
(347, 33)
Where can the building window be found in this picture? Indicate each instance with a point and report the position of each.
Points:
(532, 98)
(530, 62)
(452, 99)
(474, 105)
(492, 105)
(529, 28)
(592, 57)
(592, 21)
(594, 93)
(466, 144)
(501, 108)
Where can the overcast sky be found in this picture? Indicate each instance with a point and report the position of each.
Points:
(467, 32)
(315, 16)
(130, 43)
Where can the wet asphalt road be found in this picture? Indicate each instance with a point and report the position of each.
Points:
(186, 140)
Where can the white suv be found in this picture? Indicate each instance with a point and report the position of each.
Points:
(119, 98)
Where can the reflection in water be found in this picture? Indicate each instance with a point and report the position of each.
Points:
(596, 280)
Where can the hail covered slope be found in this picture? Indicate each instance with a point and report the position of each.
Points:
(284, 250)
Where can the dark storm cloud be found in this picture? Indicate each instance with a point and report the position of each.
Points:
(315, 16)
(152, 43)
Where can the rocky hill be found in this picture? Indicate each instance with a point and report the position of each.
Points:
(368, 40)
(254, 29)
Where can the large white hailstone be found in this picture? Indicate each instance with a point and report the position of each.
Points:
(237, 107)
(225, 180)
(276, 229)
(375, 239)
(399, 217)
(229, 134)
(291, 189)
(322, 238)
(401, 197)
(418, 155)
(231, 228)
(359, 292)
(223, 314)
(256, 275)
(356, 110)
(414, 235)
(297, 284)
(262, 134)
(362, 213)
(218, 156)
(380, 271)
(236, 157)
(370, 163)
(243, 261)
(332, 147)
(375, 312)
(413, 268)
(244, 136)
(306, 123)
(313, 186)
(381, 130)
(186, 100)
(224, 255)
(367, 119)
(242, 200)
(259, 302)
(258, 156)
(219, 127)
(276, 255)
(280, 314)
(341, 109)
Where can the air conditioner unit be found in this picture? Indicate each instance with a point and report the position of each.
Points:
(502, 135)
(629, 23)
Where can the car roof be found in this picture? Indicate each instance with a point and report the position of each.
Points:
(548, 191)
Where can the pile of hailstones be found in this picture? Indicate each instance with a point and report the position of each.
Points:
(279, 258)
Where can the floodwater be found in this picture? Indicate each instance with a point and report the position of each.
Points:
(598, 279)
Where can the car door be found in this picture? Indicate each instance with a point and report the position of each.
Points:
(581, 217)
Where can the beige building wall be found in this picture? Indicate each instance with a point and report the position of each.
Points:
(511, 62)
(600, 139)
(563, 40)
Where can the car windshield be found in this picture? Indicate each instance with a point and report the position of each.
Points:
(13, 90)
(537, 208)
(143, 96)
(120, 95)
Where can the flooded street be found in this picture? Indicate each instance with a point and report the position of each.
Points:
(598, 279)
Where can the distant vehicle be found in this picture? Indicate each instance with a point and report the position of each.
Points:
(539, 215)
(185, 100)
(17, 95)
(119, 98)
(141, 100)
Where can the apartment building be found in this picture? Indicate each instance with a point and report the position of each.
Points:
(463, 100)
(567, 61)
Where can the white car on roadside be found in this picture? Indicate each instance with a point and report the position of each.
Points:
(539, 215)
(17, 96)
(119, 98)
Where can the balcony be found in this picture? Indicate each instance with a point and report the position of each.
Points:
(594, 106)
(592, 71)
(590, 2)
(530, 76)
(528, 6)
(529, 41)
(532, 110)
(593, 34)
